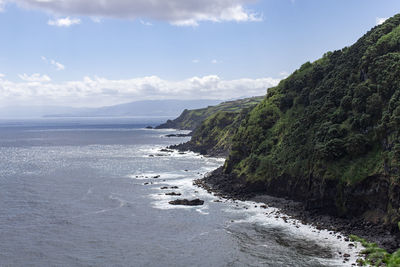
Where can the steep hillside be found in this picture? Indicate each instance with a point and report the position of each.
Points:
(329, 134)
(191, 119)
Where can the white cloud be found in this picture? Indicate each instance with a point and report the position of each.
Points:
(96, 19)
(97, 91)
(379, 21)
(284, 74)
(35, 78)
(146, 23)
(2, 4)
(56, 64)
(64, 22)
(177, 12)
(214, 61)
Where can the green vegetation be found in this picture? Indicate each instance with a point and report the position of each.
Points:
(330, 127)
(214, 135)
(214, 126)
(328, 135)
(375, 256)
(191, 119)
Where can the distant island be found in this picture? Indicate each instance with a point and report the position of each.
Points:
(147, 108)
(327, 136)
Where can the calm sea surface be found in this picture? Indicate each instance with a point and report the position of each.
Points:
(82, 192)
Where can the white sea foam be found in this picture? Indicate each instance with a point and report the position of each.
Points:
(273, 218)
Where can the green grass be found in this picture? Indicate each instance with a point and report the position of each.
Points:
(376, 256)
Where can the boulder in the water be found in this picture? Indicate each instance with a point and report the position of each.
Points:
(177, 135)
(166, 150)
(185, 202)
(172, 194)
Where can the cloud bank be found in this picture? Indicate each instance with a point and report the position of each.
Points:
(37, 89)
(177, 12)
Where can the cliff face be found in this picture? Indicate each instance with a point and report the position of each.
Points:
(192, 119)
(328, 135)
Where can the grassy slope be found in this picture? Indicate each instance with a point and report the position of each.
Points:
(330, 131)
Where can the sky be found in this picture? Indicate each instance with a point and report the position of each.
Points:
(89, 53)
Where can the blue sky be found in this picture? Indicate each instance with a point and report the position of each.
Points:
(91, 53)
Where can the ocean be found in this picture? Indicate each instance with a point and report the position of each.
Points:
(88, 192)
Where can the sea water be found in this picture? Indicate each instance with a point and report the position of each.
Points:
(87, 192)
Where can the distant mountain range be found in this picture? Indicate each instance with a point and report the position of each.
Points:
(162, 108)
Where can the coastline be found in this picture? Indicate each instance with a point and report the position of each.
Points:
(216, 183)
(219, 184)
(348, 255)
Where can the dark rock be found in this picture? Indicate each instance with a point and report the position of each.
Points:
(174, 187)
(164, 187)
(149, 127)
(157, 176)
(166, 150)
(172, 194)
(177, 135)
(234, 187)
(185, 202)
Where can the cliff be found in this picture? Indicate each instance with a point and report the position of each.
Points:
(328, 135)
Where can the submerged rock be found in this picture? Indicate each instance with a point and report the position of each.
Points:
(185, 202)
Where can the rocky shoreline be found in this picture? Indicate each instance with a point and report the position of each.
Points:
(235, 188)
(221, 185)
